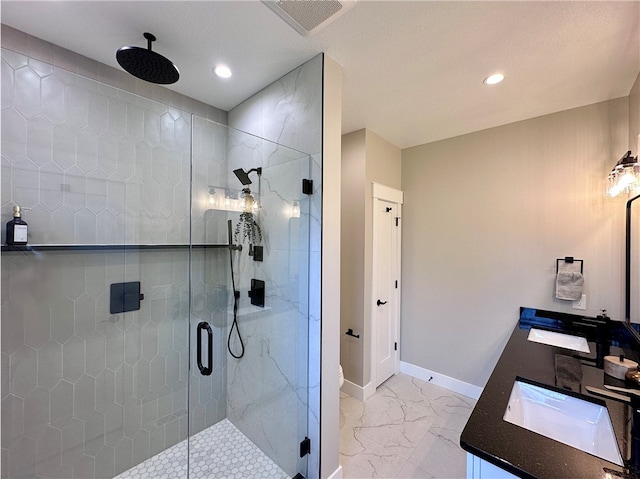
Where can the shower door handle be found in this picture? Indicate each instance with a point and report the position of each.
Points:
(205, 371)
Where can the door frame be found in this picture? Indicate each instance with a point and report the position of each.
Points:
(392, 195)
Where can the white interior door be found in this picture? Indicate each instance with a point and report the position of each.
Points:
(386, 283)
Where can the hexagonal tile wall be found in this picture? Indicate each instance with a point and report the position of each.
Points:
(88, 393)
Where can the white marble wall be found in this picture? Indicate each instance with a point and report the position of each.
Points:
(267, 388)
(289, 112)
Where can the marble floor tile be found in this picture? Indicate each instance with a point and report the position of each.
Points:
(412, 471)
(407, 429)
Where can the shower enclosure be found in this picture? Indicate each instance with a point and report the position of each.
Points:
(118, 352)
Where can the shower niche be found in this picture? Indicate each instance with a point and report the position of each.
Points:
(125, 191)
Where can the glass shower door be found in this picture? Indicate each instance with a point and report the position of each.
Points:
(249, 306)
(94, 375)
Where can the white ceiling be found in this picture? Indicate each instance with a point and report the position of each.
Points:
(413, 71)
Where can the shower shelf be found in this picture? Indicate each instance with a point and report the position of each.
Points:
(107, 247)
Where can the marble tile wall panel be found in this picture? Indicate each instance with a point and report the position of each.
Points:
(315, 322)
(289, 112)
(267, 388)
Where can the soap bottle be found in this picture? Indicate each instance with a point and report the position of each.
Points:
(16, 229)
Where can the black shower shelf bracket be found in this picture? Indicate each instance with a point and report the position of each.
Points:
(108, 247)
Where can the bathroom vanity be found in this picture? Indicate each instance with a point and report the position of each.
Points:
(547, 411)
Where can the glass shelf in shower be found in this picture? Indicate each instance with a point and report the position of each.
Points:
(106, 247)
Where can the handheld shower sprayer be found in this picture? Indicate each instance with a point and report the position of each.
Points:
(236, 297)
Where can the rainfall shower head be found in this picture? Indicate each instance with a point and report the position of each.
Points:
(147, 64)
(243, 176)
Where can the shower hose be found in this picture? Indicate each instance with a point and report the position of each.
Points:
(236, 300)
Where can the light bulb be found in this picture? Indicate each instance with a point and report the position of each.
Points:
(627, 180)
(493, 79)
(222, 71)
(295, 210)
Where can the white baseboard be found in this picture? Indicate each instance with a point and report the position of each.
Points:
(441, 380)
(359, 392)
(337, 474)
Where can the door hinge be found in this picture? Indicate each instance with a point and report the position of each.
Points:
(307, 186)
(305, 447)
(395, 346)
(397, 218)
(396, 284)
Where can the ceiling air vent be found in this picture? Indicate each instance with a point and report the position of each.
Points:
(309, 16)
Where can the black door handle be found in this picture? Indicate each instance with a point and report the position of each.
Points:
(205, 371)
(380, 303)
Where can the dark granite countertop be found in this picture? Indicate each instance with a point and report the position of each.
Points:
(525, 453)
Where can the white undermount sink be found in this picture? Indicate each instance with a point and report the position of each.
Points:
(567, 341)
(582, 424)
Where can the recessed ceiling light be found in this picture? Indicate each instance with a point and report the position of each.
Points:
(222, 71)
(493, 79)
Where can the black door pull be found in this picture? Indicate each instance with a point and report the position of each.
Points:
(205, 370)
(380, 303)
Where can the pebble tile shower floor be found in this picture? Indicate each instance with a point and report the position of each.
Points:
(220, 451)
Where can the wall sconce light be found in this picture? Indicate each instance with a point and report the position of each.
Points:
(295, 210)
(624, 177)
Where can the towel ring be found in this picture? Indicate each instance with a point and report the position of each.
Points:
(569, 259)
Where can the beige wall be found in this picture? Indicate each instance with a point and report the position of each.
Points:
(634, 117)
(485, 217)
(353, 259)
(366, 158)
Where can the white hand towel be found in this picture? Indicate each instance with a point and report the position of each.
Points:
(569, 285)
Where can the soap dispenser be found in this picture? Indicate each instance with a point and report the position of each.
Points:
(16, 229)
